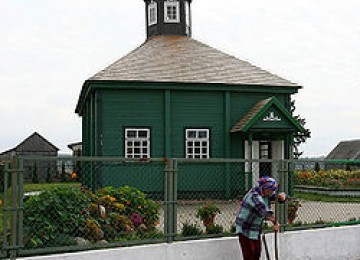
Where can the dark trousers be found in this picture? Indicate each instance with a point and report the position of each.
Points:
(251, 249)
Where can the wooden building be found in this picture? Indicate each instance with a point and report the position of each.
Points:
(174, 96)
(35, 145)
(345, 151)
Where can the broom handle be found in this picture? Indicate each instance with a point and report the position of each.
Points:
(266, 247)
(276, 232)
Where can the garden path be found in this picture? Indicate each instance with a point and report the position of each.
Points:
(310, 212)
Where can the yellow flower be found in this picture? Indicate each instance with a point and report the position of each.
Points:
(73, 175)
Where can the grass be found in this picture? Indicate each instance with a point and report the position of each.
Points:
(325, 198)
(29, 187)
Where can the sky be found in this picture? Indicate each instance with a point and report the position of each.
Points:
(48, 48)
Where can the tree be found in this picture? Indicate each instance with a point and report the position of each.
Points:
(300, 137)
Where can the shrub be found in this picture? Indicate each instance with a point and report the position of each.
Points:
(317, 167)
(129, 200)
(233, 229)
(207, 211)
(92, 230)
(189, 230)
(55, 211)
(110, 214)
(214, 229)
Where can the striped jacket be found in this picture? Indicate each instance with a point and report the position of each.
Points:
(252, 210)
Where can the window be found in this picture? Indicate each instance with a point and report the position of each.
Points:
(197, 143)
(171, 12)
(152, 13)
(265, 150)
(137, 143)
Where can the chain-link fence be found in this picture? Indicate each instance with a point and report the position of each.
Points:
(62, 204)
(328, 193)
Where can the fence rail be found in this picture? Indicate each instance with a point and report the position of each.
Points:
(62, 204)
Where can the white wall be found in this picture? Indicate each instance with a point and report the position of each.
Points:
(341, 243)
(255, 155)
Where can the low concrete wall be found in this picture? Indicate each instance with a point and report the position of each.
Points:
(321, 244)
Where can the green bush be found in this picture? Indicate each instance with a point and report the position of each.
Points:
(233, 229)
(214, 229)
(133, 201)
(69, 212)
(52, 212)
(189, 230)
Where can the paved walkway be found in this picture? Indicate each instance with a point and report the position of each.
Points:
(310, 212)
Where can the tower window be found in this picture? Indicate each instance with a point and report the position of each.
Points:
(187, 17)
(152, 13)
(171, 12)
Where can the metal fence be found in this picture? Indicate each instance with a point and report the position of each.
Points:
(63, 204)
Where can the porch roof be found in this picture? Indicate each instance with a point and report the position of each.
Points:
(268, 114)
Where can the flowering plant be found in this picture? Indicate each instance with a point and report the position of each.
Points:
(208, 211)
(293, 207)
(334, 178)
(136, 219)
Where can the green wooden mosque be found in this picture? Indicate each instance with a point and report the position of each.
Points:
(175, 97)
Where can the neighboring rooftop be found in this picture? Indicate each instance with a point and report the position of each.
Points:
(347, 150)
(33, 143)
(169, 58)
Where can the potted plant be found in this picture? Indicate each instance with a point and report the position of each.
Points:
(293, 207)
(207, 214)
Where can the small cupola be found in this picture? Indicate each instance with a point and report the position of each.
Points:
(168, 17)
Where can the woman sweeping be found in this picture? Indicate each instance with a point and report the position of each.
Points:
(254, 207)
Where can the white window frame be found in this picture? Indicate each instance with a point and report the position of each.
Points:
(173, 4)
(196, 145)
(152, 7)
(136, 145)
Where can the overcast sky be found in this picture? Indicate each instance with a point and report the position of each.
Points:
(48, 48)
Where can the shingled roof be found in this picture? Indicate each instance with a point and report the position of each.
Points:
(346, 150)
(169, 58)
(257, 111)
(250, 115)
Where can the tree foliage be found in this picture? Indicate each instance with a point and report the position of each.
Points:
(299, 137)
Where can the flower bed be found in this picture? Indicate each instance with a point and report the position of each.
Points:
(329, 178)
(64, 216)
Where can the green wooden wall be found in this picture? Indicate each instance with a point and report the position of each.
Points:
(168, 112)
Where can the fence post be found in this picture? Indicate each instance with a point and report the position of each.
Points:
(284, 187)
(13, 207)
(170, 200)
